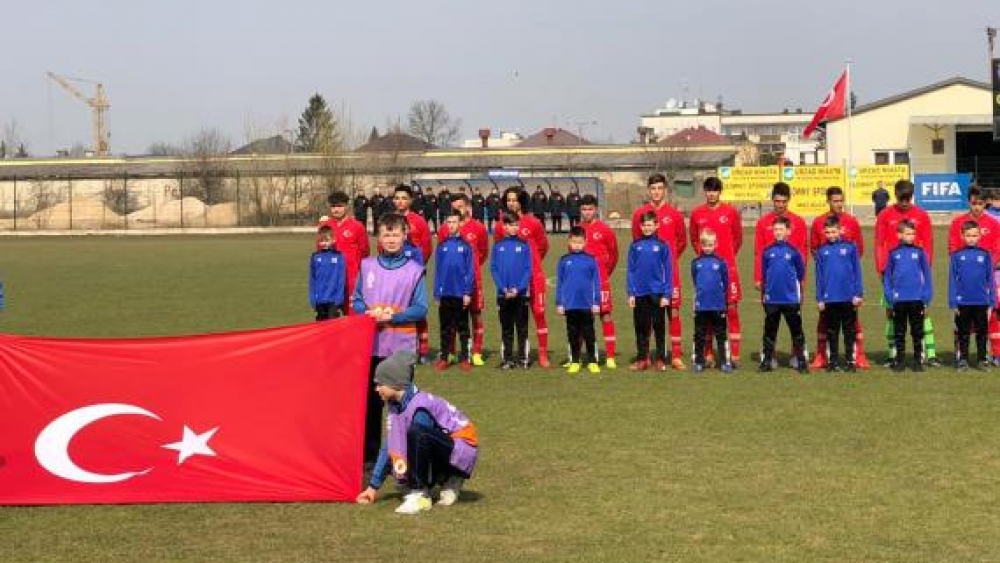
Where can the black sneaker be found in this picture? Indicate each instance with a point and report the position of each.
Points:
(831, 367)
(898, 366)
(506, 365)
(962, 365)
(764, 366)
(933, 362)
(918, 366)
(803, 366)
(525, 364)
(850, 367)
(888, 362)
(984, 365)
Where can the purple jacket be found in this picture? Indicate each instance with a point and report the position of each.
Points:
(453, 421)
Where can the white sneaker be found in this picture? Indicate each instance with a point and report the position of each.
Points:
(450, 490)
(414, 503)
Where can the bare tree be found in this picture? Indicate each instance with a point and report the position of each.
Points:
(118, 198)
(206, 150)
(430, 121)
(42, 197)
(164, 149)
(13, 140)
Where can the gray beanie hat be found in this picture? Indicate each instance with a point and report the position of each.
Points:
(396, 371)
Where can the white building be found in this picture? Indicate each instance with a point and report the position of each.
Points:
(773, 133)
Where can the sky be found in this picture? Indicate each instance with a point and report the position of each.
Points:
(248, 68)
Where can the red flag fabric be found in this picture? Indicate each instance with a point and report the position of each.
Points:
(266, 415)
(833, 107)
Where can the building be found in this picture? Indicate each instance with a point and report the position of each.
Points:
(944, 127)
(506, 140)
(773, 135)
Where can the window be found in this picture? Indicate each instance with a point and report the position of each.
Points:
(900, 157)
(881, 157)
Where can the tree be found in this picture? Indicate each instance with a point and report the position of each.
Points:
(430, 121)
(209, 171)
(163, 149)
(13, 140)
(318, 129)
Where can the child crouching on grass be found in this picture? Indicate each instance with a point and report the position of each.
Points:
(429, 443)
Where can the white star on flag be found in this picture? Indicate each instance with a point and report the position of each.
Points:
(192, 444)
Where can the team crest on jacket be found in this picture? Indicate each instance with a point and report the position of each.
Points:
(347, 233)
(723, 219)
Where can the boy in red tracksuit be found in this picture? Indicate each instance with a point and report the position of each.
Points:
(531, 231)
(886, 239)
(419, 235)
(349, 237)
(724, 220)
(602, 244)
(670, 229)
(850, 231)
(474, 233)
(989, 233)
(798, 238)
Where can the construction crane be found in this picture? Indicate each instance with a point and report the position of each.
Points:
(99, 104)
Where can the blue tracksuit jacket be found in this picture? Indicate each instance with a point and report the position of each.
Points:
(711, 282)
(578, 282)
(510, 265)
(327, 277)
(838, 273)
(453, 275)
(907, 276)
(650, 268)
(413, 253)
(970, 278)
(782, 271)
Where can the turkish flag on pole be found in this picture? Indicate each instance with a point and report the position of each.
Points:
(266, 415)
(833, 107)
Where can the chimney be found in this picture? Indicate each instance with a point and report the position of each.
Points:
(550, 134)
(484, 138)
(643, 134)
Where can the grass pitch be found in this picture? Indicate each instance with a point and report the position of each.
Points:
(616, 467)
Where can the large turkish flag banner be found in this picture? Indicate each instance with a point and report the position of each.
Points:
(266, 415)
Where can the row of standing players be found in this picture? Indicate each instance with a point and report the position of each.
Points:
(434, 207)
(715, 216)
(391, 289)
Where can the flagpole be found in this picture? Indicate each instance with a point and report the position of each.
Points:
(850, 138)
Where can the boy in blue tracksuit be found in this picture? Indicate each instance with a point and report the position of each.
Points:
(908, 287)
(327, 278)
(782, 271)
(711, 282)
(650, 284)
(971, 294)
(453, 287)
(578, 298)
(510, 266)
(839, 293)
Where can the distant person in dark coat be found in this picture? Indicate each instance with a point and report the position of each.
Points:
(880, 197)
(557, 207)
(573, 206)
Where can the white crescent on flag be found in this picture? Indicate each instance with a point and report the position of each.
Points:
(52, 445)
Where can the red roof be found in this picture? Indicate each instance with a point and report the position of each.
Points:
(695, 136)
(553, 137)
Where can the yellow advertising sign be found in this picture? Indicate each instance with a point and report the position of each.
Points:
(809, 184)
(748, 183)
(867, 178)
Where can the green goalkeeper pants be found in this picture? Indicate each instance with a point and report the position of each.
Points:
(930, 349)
